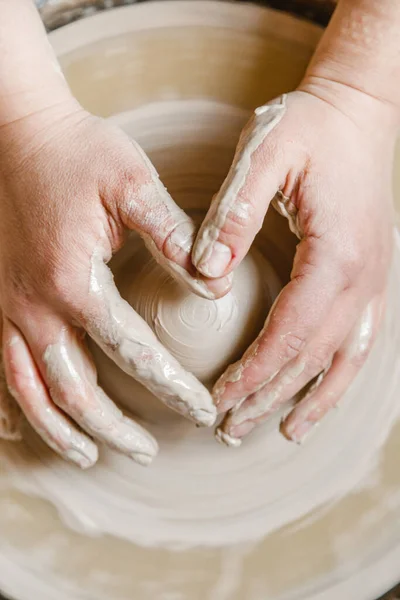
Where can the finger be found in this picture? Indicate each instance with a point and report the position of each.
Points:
(317, 358)
(31, 394)
(10, 413)
(298, 313)
(71, 378)
(259, 407)
(127, 339)
(238, 209)
(166, 229)
(346, 364)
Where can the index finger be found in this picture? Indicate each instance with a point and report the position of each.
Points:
(127, 339)
(298, 312)
(238, 209)
(168, 232)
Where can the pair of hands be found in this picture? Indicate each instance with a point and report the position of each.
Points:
(71, 186)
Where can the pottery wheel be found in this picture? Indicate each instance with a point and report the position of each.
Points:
(270, 520)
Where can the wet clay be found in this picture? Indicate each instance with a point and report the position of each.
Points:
(198, 492)
(203, 335)
(216, 504)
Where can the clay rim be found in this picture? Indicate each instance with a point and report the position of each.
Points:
(317, 11)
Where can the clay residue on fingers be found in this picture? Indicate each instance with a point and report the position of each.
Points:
(209, 289)
(337, 376)
(265, 119)
(285, 207)
(28, 389)
(177, 230)
(361, 337)
(233, 374)
(260, 402)
(129, 341)
(226, 439)
(265, 486)
(10, 413)
(72, 382)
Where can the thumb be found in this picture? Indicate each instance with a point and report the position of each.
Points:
(237, 211)
(167, 231)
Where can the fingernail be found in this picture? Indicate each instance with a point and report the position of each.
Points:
(142, 459)
(181, 239)
(299, 434)
(219, 287)
(224, 438)
(82, 460)
(219, 388)
(243, 429)
(217, 263)
(203, 417)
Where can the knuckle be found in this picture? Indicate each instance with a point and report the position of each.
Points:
(318, 360)
(293, 344)
(352, 261)
(132, 190)
(242, 210)
(131, 178)
(58, 283)
(58, 289)
(360, 355)
(177, 239)
(19, 384)
(67, 400)
(66, 282)
(358, 360)
(236, 222)
(25, 289)
(18, 292)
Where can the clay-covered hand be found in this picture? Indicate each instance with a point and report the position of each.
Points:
(71, 186)
(324, 156)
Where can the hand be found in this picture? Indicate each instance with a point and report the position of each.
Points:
(325, 155)
(70, 187)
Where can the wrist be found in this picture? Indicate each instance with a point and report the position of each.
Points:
(17, 104)
(369, 112)
(25, 136)
(30, 75)
(350, 74)
(360, 51)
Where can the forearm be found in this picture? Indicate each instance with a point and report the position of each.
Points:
(30, 78)
(361, 49)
